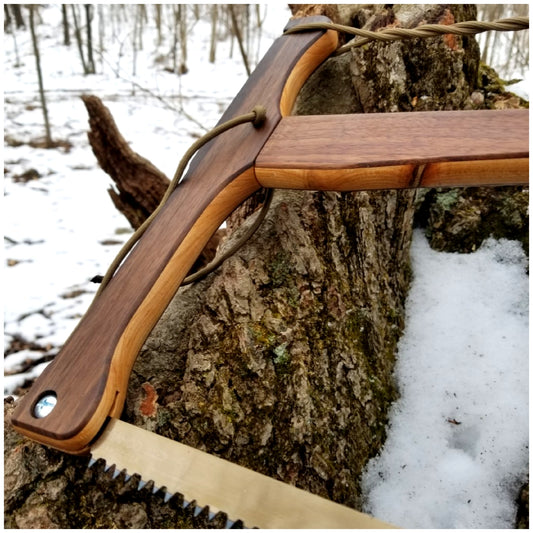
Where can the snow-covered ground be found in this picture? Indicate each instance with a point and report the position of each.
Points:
(457, 448)
(458, 443)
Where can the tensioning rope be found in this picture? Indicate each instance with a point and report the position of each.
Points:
(387, 35)
(258, 115)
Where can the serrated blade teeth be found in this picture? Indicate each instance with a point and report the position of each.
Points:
(117, 447)
(197, 510)
(211, 511)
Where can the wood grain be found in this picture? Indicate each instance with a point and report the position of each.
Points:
(382, 151)
(91, 373)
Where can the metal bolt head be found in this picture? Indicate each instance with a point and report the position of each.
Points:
(45, 405)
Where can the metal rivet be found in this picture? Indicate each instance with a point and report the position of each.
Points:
(45, 405)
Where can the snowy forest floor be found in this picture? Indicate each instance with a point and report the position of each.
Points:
(457, 451)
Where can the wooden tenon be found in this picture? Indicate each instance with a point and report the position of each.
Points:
(89, 377)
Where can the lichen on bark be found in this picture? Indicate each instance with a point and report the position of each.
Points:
(460, 219)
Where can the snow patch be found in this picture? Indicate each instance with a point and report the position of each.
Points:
(457, 448)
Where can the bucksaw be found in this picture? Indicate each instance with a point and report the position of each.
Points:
(76, 404)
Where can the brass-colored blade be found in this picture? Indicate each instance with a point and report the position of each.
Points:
(256, 499)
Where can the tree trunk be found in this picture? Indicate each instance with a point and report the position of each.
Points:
(77, 34)
(281, 360)
(17, 12)
(157, 8)
(213, 41)
(140, 184)
(7, 18)
(66, 29)
(182, 10)
(238, 35)
(90, 59)
(48, 133)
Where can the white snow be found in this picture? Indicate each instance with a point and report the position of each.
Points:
(457, 447)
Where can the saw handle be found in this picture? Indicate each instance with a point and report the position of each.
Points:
(87, 381)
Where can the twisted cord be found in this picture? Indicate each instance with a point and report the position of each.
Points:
(469, 27)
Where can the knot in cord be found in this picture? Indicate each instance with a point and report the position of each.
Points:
(260, 116)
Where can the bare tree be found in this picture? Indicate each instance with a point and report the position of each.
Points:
(238, 34)
(158, 16)
(48, 134)
(101, 32)
(66, 26)
(17, 13)
(7, 18)
(179, 36)
(213, 42)
(8, 27)
(77, 34)
(506, 52)
(182, 18)
(90, 58)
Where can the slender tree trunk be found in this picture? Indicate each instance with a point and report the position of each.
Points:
(48, 134)
(213, 41)
(101, 34)
(174, 51)
(157, 8)
(182, 17)
(17, 13)
(7, 18)
(90, 59)
(8, 26)
(238, 35)
(135, 43)
(66, 28)
(77, 33)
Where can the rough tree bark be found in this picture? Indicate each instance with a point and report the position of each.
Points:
(282, 359)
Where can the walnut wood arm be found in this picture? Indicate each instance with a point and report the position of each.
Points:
(89, 377)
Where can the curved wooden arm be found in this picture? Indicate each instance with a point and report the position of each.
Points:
(89, 377)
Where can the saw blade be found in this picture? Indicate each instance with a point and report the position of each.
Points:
(256, 499)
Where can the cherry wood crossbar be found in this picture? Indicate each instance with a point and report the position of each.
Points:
(397, 150)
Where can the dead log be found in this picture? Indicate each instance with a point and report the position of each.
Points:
(140, 184)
